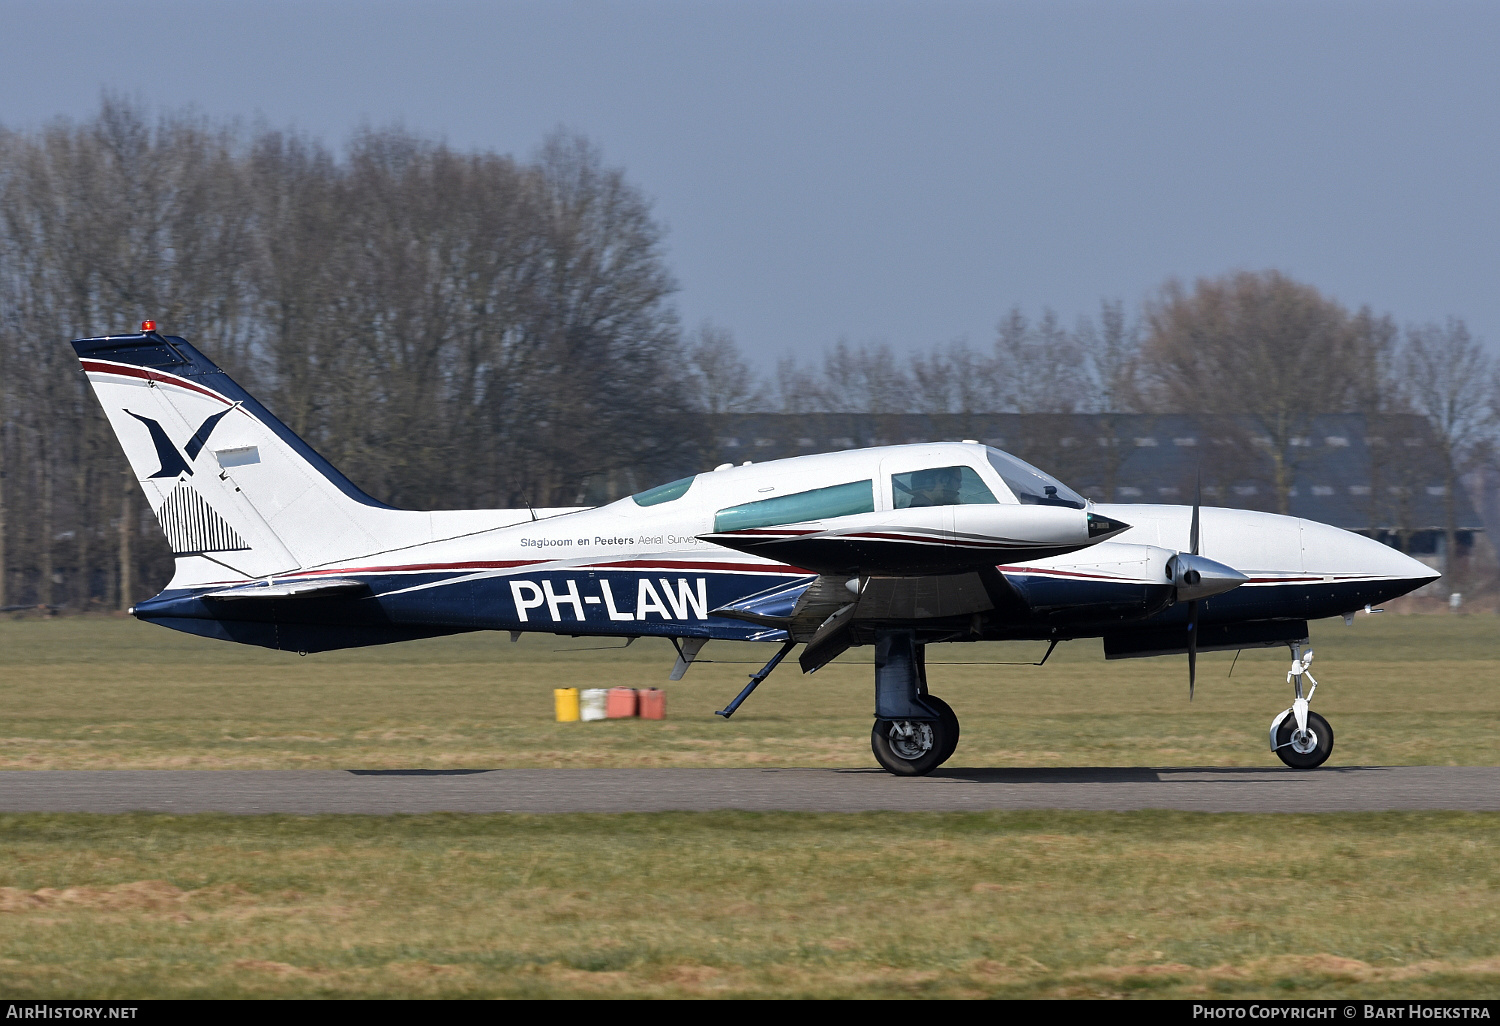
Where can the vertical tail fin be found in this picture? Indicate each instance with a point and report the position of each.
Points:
(230, 483)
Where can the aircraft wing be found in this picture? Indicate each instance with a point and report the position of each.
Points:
(925, 540)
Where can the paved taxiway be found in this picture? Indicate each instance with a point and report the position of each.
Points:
(1339, 789)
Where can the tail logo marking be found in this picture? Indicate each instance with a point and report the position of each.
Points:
(172, 462)
(193, 527)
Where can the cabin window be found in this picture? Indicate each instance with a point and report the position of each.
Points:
(1030, 485)
(940, 486)
(663, 493)
(819, 504)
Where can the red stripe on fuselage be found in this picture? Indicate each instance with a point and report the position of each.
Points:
(1026, 571)
(917, 539)
(507, 564)
(1038, 571)
(496, 564)
(657, 564)
(757, 532)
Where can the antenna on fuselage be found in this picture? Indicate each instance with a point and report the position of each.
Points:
(525, 498)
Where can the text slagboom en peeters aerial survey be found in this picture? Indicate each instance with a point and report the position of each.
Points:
(899, 547)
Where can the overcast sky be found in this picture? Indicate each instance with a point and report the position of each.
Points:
(897, 172)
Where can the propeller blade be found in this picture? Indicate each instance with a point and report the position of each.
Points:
(1197, 503)
(1193, 606)
(1192, 647)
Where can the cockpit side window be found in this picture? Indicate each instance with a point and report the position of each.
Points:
(939, 486)
(664, 493)
(1030, 485)
(817, 504)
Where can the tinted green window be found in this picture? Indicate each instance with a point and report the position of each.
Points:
(940, 486)
(818, 504)
(663, 493)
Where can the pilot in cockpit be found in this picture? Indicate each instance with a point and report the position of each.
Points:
(937, 487)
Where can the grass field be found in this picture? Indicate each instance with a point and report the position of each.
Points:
(869, 905)
(1156, 904)
(103, 693)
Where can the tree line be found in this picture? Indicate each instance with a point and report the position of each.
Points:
(469, 329)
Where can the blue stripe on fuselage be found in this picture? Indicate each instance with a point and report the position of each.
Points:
(668, 602)
(675, 602)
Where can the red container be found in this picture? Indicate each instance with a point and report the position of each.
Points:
(620, 703)
(653, 704)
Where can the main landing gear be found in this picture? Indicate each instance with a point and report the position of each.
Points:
(914, 732)
(1300, 737)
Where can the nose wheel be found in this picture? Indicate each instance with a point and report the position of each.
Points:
(1303, 747)
(1300, 737)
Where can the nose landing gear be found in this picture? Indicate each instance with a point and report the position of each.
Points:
(1300, 737)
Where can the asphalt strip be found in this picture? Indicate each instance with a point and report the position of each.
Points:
(305, 792)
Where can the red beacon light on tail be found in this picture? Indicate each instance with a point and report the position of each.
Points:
(147, 327)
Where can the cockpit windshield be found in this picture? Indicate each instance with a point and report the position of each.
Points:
(1030, 485)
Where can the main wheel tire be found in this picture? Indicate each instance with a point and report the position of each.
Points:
(914, 748)
(1304, 752)
(949, 722)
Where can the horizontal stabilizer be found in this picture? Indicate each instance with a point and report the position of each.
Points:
(294, 589)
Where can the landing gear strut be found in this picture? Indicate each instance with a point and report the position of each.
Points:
(1300, 737)
(914, 732)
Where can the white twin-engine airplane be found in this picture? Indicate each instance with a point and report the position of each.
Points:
(898, 547)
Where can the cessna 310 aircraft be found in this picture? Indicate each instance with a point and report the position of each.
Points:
(898, 547)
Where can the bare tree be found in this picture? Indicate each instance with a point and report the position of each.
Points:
(1037, 368)
(720, 381)
(953, 379)
(1449, 378)
(1111, 355)
(798, 389)
(863, 379)
(1260, 345)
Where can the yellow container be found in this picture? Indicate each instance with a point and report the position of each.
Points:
(566, 701)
